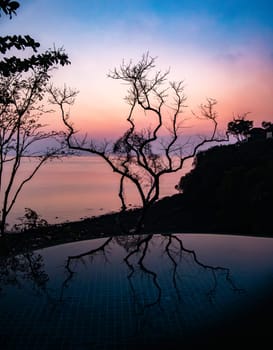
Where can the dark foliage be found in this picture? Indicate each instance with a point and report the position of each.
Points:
(8, 7)
(24, 83)
(239, 127)
(230, 188)
(12, 64)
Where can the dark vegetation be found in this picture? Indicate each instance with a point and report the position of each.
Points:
(24, 84)
(141, 156)
(229, 190)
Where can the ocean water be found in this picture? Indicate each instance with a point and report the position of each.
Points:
(78, 187)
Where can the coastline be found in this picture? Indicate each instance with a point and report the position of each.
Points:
(107, 225)
(248, 325)
(229, 191)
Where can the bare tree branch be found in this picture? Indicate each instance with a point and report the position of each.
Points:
(143, 155)
(23, 135)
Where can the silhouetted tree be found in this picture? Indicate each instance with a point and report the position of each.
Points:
(10, 65)
(22, 133)
(239, 127)
(143, 155)
(9, 7)
(23, 87)
(268, 126)
(31, 220)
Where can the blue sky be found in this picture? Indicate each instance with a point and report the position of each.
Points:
(221, 49)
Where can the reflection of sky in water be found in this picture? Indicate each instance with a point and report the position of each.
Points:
(162, 291)
(78, 187)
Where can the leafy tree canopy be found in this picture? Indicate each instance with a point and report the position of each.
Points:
(24, 82)
(9, 7)
(11, 65)
(239, 127)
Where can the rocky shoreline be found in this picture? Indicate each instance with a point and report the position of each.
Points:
(169, 215)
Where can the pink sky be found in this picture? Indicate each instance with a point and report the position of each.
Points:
(221, 50)
(244, 84)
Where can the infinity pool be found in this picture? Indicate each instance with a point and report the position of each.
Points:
(136, 292)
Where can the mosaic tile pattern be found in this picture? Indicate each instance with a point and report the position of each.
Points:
(106, 306)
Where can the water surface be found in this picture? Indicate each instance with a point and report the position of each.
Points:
(131, 291)
(78, 187)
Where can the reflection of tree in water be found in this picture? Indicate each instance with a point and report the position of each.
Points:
(215, 270)
(137, 248)
(146, 302)
(90, 253)
(16, 270)
(27, 269)
(175, 253)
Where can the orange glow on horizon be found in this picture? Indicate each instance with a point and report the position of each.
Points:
(242, 85)
(112, 123)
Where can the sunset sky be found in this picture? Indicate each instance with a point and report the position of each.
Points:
(221, 49)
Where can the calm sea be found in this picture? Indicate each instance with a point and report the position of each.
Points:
(78, 187)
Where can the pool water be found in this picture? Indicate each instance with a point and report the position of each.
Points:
(134, 292)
